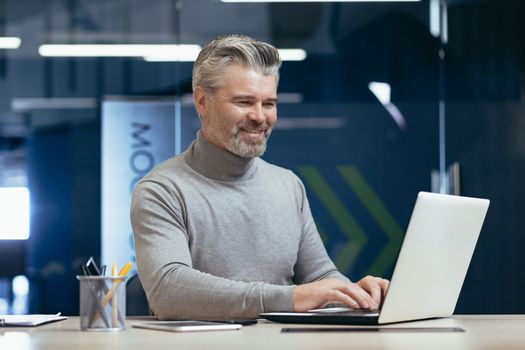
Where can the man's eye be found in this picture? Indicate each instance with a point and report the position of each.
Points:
(269, 104)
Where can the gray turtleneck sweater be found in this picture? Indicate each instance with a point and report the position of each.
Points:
(218, 236)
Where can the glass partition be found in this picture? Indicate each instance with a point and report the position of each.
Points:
(485, 126)
(367, 111)
(357, 112)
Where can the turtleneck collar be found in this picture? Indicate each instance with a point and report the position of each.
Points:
(218, 163)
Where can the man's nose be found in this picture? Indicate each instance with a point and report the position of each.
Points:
(257, 113)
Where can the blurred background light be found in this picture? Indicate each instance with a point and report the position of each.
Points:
(10, 42)
(14, 213)
(117, 50)
(247, 1)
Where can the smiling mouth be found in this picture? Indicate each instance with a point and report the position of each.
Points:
(253, 131)
(253, 136)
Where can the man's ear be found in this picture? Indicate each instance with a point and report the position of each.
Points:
(201, 101)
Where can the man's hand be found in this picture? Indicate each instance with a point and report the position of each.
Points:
(376, 287)
(365, 294)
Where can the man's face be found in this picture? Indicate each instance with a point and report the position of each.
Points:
(241, 114)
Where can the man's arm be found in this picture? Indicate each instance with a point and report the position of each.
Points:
(313, 262)
(321, 282)
(177, 291)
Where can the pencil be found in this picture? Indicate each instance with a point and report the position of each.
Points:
(113, 289)
(114, 305)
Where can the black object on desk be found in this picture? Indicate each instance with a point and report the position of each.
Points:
(373, 329)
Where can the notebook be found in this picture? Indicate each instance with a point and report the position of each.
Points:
(430, 269)
(28, 320)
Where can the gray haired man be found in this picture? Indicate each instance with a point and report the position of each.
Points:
(219, 232)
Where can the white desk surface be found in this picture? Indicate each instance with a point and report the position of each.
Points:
(481, 332)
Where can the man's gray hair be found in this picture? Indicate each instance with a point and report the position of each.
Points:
(224, 51)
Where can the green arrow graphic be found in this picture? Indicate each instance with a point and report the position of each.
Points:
(380, 214)
(322, 233)
(345, 221)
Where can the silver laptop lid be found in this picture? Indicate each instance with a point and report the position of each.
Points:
(434, 258)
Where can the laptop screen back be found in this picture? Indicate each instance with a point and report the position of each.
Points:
(434, 258)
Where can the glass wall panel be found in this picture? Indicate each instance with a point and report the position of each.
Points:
(50, 125)
(485, 83)
(358, 122)
(357, 117)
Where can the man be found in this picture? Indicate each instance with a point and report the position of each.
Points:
(220, 233)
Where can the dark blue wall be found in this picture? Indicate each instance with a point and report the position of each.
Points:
(64, 178)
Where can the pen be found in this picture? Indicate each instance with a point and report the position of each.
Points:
(92, 268)
(100, 284)
(114, 306)
(113, 289)
(94, 302)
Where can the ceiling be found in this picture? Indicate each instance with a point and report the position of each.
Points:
(36, 22)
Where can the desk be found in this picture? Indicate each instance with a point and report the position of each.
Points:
(482, 332)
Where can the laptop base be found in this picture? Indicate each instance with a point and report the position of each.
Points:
(322, 318)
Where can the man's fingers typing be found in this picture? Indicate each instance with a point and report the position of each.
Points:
(338, 296)
(372, 286)
(359, 295)
(384, 286)
(365, 294)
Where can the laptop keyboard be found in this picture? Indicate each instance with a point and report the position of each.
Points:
(345, 310)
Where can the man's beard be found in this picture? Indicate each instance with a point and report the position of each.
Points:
(231, 138)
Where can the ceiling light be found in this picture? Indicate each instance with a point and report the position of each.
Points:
(116, 50)
(382, 92)
(248, 1)
(191, 55)
(26, 104)
(188, 54)
(14, 213)
(12, 42)
(292, 54)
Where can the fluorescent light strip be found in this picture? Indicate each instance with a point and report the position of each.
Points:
(292, 54)
(14, 213)
(435, 10)
(10, 42)
(310, 123)
(116, 50)
(188, 55)
(191, 56)
(151, 53)
(381, 91)
(249, 1)
(29, 104)
(175, 58)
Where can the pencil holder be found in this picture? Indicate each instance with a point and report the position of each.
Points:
(102, 303)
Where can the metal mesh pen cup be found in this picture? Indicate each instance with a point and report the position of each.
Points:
(102, 303)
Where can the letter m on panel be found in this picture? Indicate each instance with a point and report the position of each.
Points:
(137, 134)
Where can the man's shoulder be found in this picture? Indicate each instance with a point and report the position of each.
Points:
(166, 171)
(277, 171)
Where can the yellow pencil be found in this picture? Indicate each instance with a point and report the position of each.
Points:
(114, 288)
(114, 305)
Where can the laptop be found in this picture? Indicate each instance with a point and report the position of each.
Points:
(430, 268)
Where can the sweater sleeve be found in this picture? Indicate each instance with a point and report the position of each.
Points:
(176, 290)
(313, 262)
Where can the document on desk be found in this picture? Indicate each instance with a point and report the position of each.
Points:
(187, 326)
(28, 320)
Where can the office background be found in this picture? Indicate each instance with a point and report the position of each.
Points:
(383, 95)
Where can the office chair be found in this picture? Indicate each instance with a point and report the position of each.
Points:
(136, 300)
